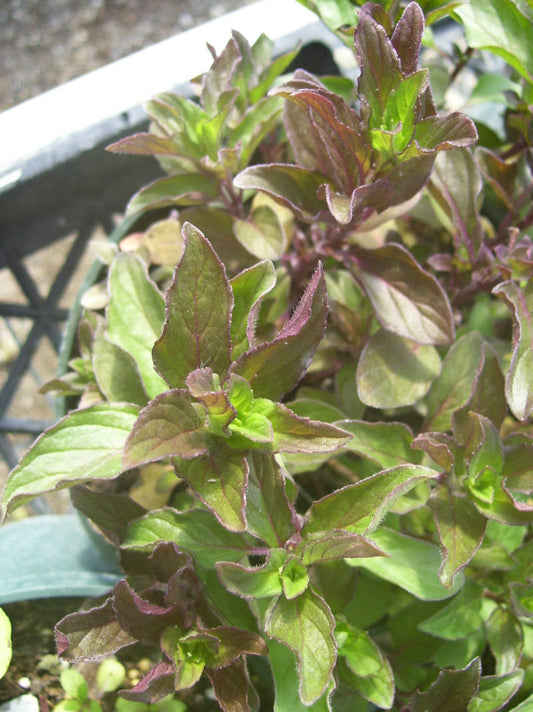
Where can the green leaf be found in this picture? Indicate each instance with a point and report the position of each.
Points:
(74, 684)
(305, 624)
(400, 108)
(253, 582)
(519, 379)
(195, 531)
(286, 681)
(135, 316)
(371, 672)
(219, 479)
(116, 372)
(505, 638)
(452, 690)
(380, 66)
(385, 444)
(456, 185)
(394, 371)
(461, 529)
(170, 425)
(274, 368)
(198, 307)
(360, 507)
(84, 445)
(185, 189)
(5, 643)
(408, 301)
(293, 433)
(502, 27)
(495, 691)
(262, 234)
(266, 493)
(466, 614)
(334, 544)
(410, 563)
(292, 186)
(453, 387)
(249, 287)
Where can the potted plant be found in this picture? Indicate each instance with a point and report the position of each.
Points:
(304, 406)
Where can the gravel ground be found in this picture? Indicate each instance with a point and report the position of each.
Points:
(44, 43)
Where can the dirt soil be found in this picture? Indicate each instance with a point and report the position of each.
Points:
(44, 43)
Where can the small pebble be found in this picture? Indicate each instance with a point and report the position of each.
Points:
(25, 683)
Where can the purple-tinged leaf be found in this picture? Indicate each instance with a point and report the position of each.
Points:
(169, 426)
(85, 445)
(500, 174)
(360, 507)
(385, 444)
(461, 529)
(144, 144)
(249, 287)
(456, 186)
(454, 387)
(361, 204)
(110, 512)
(205, 387)
(142, 620)
(158, 683)
(218, 80)
(219, 478)
(394, 371)
(198, 312)
(266, 493)
(506, 639)
(196, 532)
(439, 446)
(185, 189)
(440, 133)
(487, 396)
(289, 185)
(380, 66)
(135, 316)
(234, 642)
(232, 688)
(274, 368)
(408, 301)
(305, 624)
(292, 433)
(189, 651)
(90, 635)
(407, 37)
(519, 379)
(253, 581)
(452, 690)
(335, 544)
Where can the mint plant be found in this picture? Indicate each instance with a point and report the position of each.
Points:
(305, 394)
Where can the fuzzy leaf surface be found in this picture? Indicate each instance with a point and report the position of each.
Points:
(394, 371)
(519, 379)
(116, 372)
(169, 426)
(198, 311)
(360, 507)
(335, 544)
(253, 582)
(408, 301)
(495, 691)
(274, 368)
(84, 445)
(305, 624)
(185, 189)
(451, 691)
(135, 316)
